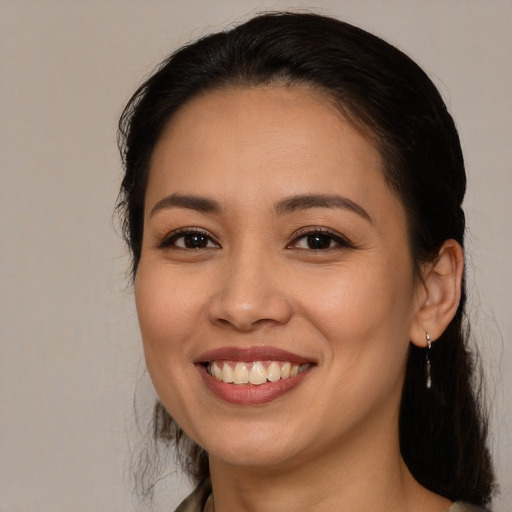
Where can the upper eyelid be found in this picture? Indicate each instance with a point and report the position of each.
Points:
(311, 230)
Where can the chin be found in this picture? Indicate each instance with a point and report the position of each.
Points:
(256, 446)
(254, 457)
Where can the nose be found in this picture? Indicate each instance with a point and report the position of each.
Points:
(250, 294)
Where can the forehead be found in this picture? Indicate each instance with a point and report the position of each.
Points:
(238, 143)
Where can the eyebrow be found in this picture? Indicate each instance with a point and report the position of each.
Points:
(287, 205)
(191, 202)
(307, 201)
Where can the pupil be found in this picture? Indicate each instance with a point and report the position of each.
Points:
(195, 241)
(319, 242)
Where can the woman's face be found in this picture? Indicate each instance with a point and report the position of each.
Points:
(274, 251)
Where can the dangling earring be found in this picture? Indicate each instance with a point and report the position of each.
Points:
(428, 374)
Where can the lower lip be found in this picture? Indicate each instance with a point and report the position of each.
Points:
(249, 394)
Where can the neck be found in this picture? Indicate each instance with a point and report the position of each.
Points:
(367, 477)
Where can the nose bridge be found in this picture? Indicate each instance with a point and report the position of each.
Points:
(249, 291)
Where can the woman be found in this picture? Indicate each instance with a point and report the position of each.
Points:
(292, 201)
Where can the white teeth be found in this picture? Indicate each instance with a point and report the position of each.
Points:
(227, 373)
(273, 371)
(285, 370)
(216, 371)
(240, 373)
(255, 373)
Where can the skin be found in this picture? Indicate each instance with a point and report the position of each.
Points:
(352, 308)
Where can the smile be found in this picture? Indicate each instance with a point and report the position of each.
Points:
(256, 372)
(252, 375)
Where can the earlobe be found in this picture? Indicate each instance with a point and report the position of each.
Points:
(440, 294)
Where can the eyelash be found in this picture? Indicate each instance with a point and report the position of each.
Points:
(304, 233)
(169, 241)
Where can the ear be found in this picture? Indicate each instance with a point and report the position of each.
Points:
(439, 293)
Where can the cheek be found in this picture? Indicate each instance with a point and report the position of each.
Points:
(364, 321)
(167, 310)
(363, 308)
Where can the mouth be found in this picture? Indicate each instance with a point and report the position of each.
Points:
(252, 376)
(255, 373)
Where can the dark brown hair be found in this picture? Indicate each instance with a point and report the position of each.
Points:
(383, 92)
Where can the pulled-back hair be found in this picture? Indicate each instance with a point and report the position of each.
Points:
(386, 96)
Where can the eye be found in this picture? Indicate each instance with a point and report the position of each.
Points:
(193, 239)
(319, 240)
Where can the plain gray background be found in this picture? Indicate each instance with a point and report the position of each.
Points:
(71, 360)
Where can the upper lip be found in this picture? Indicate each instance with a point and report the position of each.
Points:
(248, 354)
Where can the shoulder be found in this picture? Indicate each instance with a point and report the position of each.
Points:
(459, 506)
(195, 501)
